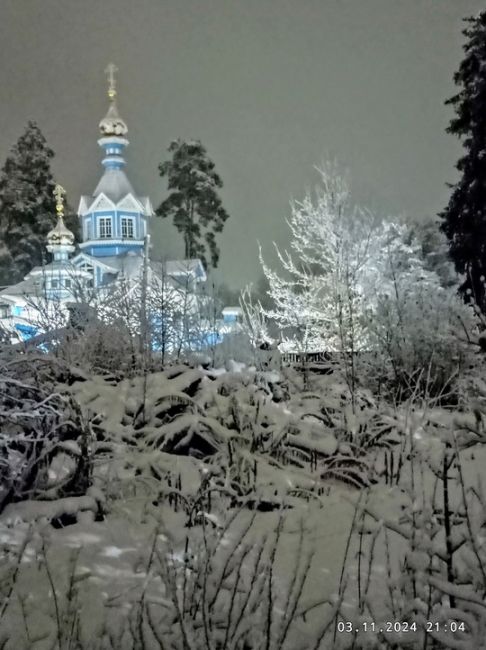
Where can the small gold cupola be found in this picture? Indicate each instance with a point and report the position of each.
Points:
(60, 239)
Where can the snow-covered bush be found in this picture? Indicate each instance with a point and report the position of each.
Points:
(419, 331)
(418, 340)
(416, 555)
(44, 440)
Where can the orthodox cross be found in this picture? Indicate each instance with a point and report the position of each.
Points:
(59, 193)
(110, 72)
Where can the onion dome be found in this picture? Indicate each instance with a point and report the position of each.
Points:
(112, 124)
(60, 236)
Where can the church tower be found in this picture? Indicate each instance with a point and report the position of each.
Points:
(113, 218)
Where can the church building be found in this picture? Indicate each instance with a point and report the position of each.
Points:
(115, 240)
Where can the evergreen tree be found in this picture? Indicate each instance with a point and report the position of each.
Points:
(434, 250)
(464, 219)
(193, 203)
(27, 206)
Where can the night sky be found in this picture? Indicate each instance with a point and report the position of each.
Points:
(271, 87)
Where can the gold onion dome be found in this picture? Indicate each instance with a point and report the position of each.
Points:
(60, 235)
(112, 123)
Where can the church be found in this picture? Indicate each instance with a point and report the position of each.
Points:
(114, 247)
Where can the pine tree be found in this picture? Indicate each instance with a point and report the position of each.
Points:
(434, 250)
(464, 219)
(27, 206)
(193, 203)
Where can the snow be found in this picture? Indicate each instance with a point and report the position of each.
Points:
(153, 487)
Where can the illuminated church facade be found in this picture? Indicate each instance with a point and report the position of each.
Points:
(115, 243)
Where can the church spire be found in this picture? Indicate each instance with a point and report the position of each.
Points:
(60, 239)
(112, 124)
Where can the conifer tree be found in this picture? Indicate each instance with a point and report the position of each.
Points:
(193, 202)
(27, 206)
(464, 218)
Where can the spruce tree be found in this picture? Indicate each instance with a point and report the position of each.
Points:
(193, 202)
(27, 206)
(464, 219)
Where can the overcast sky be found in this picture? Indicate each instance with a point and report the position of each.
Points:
(271, 87)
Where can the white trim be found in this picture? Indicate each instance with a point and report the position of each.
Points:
(111, 242)
(101, 202)
(113, 138)
(83, 205)
(130, 202)
(70, 270)
(87, 224)
(114, 158)
(93, 261)
(147, 206)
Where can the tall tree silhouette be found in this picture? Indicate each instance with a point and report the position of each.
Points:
(193, 202)
(27, 205)
(464, 218)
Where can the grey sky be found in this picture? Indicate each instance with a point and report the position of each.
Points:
(271, 87)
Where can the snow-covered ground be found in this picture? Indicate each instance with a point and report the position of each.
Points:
(216, 488)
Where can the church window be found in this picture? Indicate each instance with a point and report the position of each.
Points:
(104, 227)
(89, 269)
(127, 228)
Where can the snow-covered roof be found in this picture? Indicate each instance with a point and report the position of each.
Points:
(26, 287)
(185, 267)
(78, 259)
(129, 263)
(232, 310)
(102, 201)
(115, 185)
(5, 298)
(53, 267)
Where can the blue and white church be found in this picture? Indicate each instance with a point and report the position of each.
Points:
(114, 219)
(115, 243)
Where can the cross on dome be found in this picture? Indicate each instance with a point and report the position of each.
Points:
(110, 71)
(59, 193)
(112, 124)
(60, 236)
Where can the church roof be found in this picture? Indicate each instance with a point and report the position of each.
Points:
(174, 268)
(130, 264)
(24, 288)
(114, 184)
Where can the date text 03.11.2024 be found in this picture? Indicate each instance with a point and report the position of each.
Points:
(400, 627)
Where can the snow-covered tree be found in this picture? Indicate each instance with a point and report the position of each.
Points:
(193, 202)
(316, 300)
(27, 205)
(354, 284)
(435, 250)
